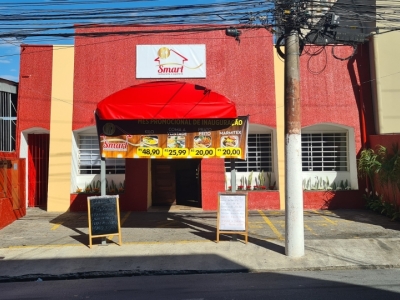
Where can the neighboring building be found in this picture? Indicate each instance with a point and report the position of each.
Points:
(385, 78)
(60, 87)
(12, 169)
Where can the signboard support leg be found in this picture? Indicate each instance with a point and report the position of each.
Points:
(103, 176)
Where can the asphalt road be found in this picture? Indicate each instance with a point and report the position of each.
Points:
(327, 285)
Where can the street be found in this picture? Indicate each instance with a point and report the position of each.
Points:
(329, 284)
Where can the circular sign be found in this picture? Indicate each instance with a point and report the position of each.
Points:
(109, 129)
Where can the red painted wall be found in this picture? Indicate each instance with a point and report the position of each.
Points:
(7, 215)
(338, 92)
(327, 92)
(12, 195)
(244, 72)
(34, 94)
(333, 200)
(104, 65)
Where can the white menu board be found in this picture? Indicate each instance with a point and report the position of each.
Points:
(232, 212)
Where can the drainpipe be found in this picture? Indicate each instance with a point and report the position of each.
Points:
(103, 176)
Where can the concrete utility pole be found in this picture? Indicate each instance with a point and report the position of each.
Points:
(294, 223)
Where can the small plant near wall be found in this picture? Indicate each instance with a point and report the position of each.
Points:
(252, 182)
(324, 185)
(376, 203)
(243, 183)
(384, 166)
(112, 189)
(121, 187)
(95, 188)
(88, 188)
(249, 181)
(260, 181)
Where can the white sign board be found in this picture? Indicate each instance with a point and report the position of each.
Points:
(170, 61)
(232, 212)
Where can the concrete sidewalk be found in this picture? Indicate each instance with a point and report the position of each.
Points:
(52, 246)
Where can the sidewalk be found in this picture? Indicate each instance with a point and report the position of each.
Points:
(53, 246)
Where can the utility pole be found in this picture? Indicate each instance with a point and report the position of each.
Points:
(294, 223)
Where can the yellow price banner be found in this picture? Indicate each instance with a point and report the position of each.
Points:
(148, 152)
(229, 152)
(176, 152)
(202, 152)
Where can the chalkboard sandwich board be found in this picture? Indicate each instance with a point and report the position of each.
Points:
(232, 214)
(103, 215)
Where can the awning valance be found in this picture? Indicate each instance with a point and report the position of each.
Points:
(165, 100)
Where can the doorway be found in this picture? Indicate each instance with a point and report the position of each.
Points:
(176, 182)
(38, 169)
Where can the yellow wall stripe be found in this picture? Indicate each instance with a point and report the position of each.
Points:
(60, 152)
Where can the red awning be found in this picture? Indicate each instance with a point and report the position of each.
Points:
(165, 100)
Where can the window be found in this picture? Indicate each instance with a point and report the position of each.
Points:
(259, 155)
(324, 151)
(89, 157)
(8, 121)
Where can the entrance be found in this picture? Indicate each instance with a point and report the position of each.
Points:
(38, 169)
(176, 182)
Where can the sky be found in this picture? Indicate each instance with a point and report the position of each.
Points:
(10, 47)
(11, 27)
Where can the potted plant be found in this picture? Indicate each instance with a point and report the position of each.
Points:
(368, 166)
(121, 188)
(261, 181)
(249, 180)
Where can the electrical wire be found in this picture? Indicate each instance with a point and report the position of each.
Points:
(38, 21)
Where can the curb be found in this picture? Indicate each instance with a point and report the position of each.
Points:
(130, 273)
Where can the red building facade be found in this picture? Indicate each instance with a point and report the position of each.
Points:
(335, 103)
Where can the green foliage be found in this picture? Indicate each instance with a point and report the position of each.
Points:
(334, 187)
(385, 165)
(250, 179)
(261, 178)
(368, 165)
(95, 187)
(269, 179)
(377, 204)
(342, 185)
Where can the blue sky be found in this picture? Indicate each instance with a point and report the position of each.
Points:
(10, 45)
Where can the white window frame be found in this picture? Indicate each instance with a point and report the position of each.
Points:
(89, 146)
(8, 121)
(324, 151)
(311, 177)
(257, 160)
(240, 175)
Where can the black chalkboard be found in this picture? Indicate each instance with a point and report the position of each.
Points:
(103, 215)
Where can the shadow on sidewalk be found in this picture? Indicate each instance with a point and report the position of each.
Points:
(200, 225)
